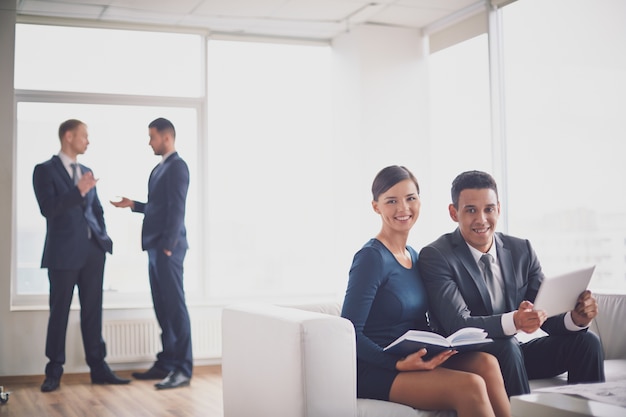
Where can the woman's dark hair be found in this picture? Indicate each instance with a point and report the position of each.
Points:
(471, 180)
(390, 176)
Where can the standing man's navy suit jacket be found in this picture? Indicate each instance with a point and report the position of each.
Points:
(164, 213)
(458, 295)
(64, 208)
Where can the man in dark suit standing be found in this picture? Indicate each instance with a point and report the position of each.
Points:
(164, 237)
(477, 277)
(74, 253)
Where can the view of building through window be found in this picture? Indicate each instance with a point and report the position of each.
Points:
(565, 88)
(119, 155)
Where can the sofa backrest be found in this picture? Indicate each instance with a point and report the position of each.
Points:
(609, 324)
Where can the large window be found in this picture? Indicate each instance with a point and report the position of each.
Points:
(460, 125)
(57, 58)
(565, 88)
(121, 159)
(109, 80)
(271, 210)
(258, 145)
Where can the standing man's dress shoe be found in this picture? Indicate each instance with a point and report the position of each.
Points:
(175, 379)
(152, 373)
(106, 376)
(50, 384)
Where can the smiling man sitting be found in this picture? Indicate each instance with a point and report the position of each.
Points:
(477, 277)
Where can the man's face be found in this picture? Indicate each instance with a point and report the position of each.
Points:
(157, 141)
(78, 139)
(477, 216)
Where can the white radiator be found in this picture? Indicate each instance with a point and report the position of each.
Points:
(131, 341)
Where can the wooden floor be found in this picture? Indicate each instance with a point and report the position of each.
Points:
(77, 397)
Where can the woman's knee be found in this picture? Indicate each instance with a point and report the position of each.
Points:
(471, 388)
(487, 360)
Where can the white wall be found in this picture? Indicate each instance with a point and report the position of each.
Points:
(381, 119)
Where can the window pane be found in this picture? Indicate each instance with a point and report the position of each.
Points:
(270, 178)
(566, 83)
(122, 160)
(107, 61)
(460, 128)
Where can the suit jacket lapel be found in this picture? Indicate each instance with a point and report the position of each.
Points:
(159, 169)
(465, 256)
(60, 168)
(508, 272)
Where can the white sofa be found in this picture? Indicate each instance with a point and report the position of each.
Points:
(301, 361)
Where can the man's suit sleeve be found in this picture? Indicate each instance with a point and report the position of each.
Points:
(447, 307)
(139, 207)
(51, 203)
(177, 184)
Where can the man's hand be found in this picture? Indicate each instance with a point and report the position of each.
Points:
(124, 202)
(528, 320)
(415, 361)
(586, 309)
(86, 183)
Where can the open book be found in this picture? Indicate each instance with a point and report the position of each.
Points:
(465, 339)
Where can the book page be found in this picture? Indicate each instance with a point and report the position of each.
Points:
(429, 337)
(466, 334)
(604, 392)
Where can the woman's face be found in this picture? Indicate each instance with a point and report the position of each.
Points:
(399, 206)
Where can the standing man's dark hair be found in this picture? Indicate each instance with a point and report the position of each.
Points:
(162, 125)
(74, 253)
(164, 237)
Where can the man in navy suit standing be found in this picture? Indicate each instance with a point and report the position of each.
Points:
(164, 237)
(74, 253)
(477, 277)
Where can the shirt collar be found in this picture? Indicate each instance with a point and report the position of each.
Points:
(167, 155)
(478, 254)
(67, 161)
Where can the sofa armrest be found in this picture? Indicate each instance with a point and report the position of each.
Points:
(284, 362)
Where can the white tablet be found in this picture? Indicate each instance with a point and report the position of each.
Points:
(559, 293)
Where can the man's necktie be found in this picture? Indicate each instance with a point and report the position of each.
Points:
(496, 292)
(74, 172)
(92, 222)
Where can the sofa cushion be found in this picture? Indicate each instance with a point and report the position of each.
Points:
(609, 326)
(375, 408)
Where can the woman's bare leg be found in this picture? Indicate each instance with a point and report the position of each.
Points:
(443, 389)
(487, 367)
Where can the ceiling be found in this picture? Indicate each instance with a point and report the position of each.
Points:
(306, 19)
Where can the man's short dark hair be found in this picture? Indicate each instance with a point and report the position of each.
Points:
(162, 125)
(471, 180)
(67, 126)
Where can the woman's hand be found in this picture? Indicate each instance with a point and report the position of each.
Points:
(415, 361)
